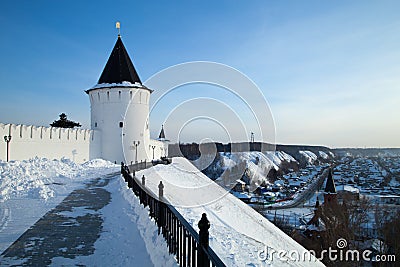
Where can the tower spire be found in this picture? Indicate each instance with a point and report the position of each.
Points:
(330, 184)
(161, 136)
(119, 67)
(330, 189)
(118, 26)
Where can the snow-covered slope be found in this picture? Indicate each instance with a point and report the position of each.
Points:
(257, 164)
(238, 233)
(323, 155)
(309, 156)
(266, 160)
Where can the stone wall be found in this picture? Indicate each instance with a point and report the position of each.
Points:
(29, 141)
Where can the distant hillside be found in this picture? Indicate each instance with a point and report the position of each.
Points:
(367, 152)
(324, 154)
(252, 160)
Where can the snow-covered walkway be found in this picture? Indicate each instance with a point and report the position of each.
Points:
(100, 223)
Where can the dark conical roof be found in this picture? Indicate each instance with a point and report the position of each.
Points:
(119, 67)
(330, 184)
(162, 134)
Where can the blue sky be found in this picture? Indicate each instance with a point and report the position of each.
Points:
(329, 69)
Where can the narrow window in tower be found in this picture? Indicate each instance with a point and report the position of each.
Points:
(119, 94)
(130, 93)
(108, 96)
(140, 99)
(121, 124)
(95, 124)
(98, 96)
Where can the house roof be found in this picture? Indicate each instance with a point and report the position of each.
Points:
(119, 67)
(348, 188)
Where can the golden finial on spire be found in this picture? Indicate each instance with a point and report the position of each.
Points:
(118, 26)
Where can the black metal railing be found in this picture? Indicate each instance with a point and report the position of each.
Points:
(144, 164)
(183, 241)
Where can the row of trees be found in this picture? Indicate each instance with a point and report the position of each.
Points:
(351, 219)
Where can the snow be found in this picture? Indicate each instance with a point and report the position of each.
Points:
(237, 234)
(310, 156)
(258, 164)
(123, 84)
(38, 178)
(277, 157)
(284, 156)
(227, 163)
(237, 231)
(393, 182)
(30, 188)
(128, 238)
(347, 188)
(240, 195)
(323, 155)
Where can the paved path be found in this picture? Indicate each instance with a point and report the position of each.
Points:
(69, 230)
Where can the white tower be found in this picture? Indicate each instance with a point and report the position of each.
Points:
(120, 109)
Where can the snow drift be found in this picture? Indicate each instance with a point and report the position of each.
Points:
(37, 177)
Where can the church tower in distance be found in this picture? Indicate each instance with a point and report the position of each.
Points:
(330, 194)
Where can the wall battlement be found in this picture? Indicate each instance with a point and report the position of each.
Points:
(28, 141)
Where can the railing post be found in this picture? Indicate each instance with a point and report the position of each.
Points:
(160, 190)
(161, 216)
(130, 181)
(204, 225)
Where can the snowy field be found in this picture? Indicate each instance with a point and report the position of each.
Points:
(237, 233)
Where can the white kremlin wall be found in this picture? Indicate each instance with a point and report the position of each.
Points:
(27, 142)
(79, 145)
